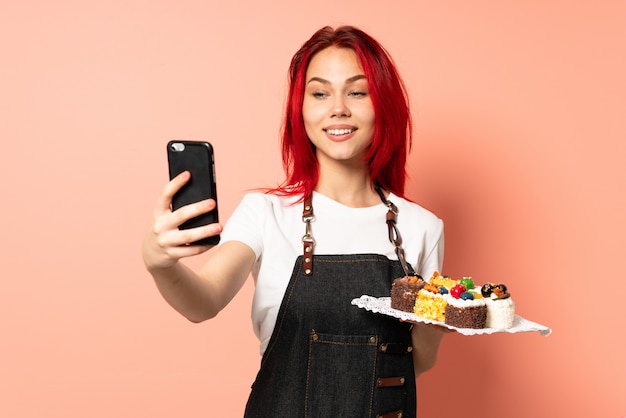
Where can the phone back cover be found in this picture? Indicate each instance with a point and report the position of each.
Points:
(197, 158)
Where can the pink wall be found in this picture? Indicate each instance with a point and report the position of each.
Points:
(520, 146)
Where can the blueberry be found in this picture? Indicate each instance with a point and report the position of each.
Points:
(466, 296)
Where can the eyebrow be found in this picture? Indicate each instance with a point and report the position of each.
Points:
(349, 80)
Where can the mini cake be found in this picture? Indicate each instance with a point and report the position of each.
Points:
(404, 291)
(500, 306)
(431, 303)
(465, 309)
(442, 281)
(432, 299)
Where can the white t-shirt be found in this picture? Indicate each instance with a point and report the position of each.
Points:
(272, 227)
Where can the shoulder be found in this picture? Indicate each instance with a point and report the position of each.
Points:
(259, 207)
(262, 220)
(414, 210)
(267, 201)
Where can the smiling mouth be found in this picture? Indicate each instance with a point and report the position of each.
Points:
(339, 132)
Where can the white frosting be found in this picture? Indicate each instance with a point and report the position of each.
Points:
(500, 313)
(462, 303)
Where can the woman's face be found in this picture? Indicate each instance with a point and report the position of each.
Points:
(337, 108)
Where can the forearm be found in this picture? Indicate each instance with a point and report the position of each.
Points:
(426, 340)
(186, 292)
(202, 295)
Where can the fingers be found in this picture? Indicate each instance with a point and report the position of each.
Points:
(165, 199)
(161, 250)
(166, 224)
(166, 219)
(166, 243)
(429, 327)
(433, 328)
(187, 212)
(174, 237)
(444, 330)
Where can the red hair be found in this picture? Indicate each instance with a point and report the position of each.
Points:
(392, 133)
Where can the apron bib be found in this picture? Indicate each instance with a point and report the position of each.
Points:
(327, 358)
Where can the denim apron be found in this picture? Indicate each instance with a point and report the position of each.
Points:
(327, 358)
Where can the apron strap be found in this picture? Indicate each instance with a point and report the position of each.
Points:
(394, 234)
(308, 242)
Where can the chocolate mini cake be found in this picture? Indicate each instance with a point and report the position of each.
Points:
(404, 291)
(465, 309)
(462, 313)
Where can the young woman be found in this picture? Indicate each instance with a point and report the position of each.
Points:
(318, 241)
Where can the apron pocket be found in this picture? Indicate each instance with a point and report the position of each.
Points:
(341, 375)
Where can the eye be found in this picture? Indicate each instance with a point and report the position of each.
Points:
(319, 94)
(358, 93)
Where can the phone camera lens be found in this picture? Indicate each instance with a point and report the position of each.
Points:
(177, 147)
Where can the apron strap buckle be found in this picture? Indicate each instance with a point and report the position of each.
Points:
(307, 240)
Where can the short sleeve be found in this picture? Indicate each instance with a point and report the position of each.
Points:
(433, 256)
(246, 223)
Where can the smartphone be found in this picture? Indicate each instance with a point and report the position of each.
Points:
(197, 157)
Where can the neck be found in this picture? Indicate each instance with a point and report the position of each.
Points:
(349, 187)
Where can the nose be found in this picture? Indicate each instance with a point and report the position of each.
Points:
(340, 108)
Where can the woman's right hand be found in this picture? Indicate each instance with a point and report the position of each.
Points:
(164, 244)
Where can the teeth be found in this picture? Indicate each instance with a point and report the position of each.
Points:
(339, 131)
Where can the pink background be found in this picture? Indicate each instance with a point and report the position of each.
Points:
(520, 143)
